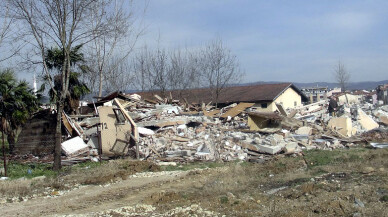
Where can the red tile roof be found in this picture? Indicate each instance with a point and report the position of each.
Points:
(251, 93)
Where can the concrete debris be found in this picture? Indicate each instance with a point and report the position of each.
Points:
(366, 121)
(304, 131)
(74, 146)
(168, 131)
(145, 131)
(342, 125)
(379, 145)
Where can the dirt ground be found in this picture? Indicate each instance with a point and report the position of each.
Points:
(338, 183)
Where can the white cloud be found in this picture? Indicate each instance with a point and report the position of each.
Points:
(349, 21)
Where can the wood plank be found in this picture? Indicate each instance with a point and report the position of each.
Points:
(233, 112)
(211, 113)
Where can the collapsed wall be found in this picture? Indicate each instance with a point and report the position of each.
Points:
(38, 135)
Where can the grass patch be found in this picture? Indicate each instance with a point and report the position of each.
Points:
(224, 200)
(18, 170)
(317, 157)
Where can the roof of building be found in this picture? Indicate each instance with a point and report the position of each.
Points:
(251, 93)
(109, 97)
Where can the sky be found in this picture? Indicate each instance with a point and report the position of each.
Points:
(287, 41)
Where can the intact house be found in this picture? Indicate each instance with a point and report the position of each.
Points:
(382, 93)
(315, 94)
(264, 96)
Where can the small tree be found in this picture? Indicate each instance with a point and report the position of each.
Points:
(77, 89)
(341, 75)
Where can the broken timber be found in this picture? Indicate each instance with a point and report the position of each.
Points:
(237, 109)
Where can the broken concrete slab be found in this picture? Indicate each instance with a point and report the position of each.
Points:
(281, 109)
(260, 120)
(74, 146)
(366, 121)
(169, 109)
(384, 120)
(90, 131)
(179, 153)
(343, 125)
(304, 131)
(88, 122)
(145, 131)
(379, 145)
(291, 147)
(93, 142)
(269, 149)
(303, 138)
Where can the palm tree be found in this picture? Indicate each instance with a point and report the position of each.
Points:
(54, 60)
(17, 102)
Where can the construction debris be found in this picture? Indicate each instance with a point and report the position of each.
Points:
(74, 146)
(168, 131)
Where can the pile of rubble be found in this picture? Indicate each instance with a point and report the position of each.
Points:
(165, 130)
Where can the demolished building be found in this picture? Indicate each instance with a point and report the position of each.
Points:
(149, 127)
(264, 96)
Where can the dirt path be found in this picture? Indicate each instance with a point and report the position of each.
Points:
(352, 183)
(89, 199)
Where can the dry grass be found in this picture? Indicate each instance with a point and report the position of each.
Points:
(248, 183)
(15, 188)
(112, 171)
(84, 175)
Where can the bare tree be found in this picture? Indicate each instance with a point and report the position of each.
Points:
(158, 71)
(120, 77)
(62, 23)
(220, 68)
(108, 51)
(141, 70)
(213, 66)
(184, 71)
(7, 31)
(341, 75)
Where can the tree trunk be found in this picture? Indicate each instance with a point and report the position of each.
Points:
(100, 86)
(58, 137)
(11, 138)
(4, 155)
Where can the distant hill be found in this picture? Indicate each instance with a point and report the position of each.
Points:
(365, 85)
